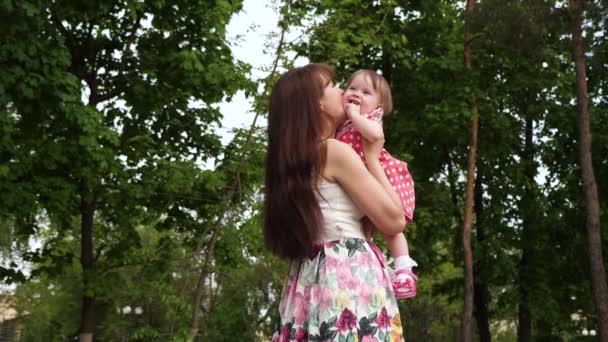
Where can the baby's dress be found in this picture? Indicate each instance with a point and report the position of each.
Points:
(396, 170)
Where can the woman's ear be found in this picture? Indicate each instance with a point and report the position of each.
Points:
(321, 107)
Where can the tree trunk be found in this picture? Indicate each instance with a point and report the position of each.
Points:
(467, 308)
(481, 298)
(528, 204)
(87, 321)
(198, 293)
(594, 240)
(481, 295)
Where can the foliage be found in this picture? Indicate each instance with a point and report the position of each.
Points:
(116, 104)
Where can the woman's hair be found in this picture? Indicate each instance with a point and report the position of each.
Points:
(380, 86)
(295, 158)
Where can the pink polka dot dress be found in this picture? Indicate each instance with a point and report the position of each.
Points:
(396, 170)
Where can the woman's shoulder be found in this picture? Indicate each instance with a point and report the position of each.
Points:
(339, 156)
(338, 149)
(334, 143)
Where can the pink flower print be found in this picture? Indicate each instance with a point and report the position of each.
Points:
(364, 259)
(287, 287)
(325, 298)
(331, 263)
(301, 335)
(364, 295)
(381, 273)
(284, 334)
(307, 292)
(383, 321)
(378, 253)
(344, 275)
(315, 293)
(346, 321)
(287, 290)
(368, 338)
(344, 279)
(353, 284)
(300, 310)
(328, 247)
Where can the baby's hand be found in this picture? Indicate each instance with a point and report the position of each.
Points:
(353, 109)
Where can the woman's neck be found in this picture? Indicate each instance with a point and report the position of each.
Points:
(329, 132)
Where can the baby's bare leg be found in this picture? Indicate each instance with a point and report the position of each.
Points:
(397, 245)
(404, 279)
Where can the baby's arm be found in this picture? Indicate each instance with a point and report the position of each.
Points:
(369, 129)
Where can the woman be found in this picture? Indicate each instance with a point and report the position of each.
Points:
(317, 192)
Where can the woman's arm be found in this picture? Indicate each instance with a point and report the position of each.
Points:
(369, 193)
(372, 150)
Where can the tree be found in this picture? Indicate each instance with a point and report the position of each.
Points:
(594, 240)
(467, 310)
(244, 152)
(150, 73)
(162, 224)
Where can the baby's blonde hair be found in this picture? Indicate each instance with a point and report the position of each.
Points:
(380, 86)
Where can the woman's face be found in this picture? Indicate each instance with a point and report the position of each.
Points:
(331, 102)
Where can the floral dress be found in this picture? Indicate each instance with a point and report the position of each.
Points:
(342, 292)
(396, 170)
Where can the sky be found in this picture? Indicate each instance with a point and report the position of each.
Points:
(254, 22)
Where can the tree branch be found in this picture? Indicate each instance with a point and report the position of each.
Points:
(126, 52)
(198, 296)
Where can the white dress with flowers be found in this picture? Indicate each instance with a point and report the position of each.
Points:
(343, 291)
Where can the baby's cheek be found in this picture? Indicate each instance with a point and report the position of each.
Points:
(344, 101)
(366, 108)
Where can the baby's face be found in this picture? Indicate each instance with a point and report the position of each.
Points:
(361, 91)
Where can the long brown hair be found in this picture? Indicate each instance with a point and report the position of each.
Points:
(295, 158)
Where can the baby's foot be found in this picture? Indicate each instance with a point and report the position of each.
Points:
(404, 284)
